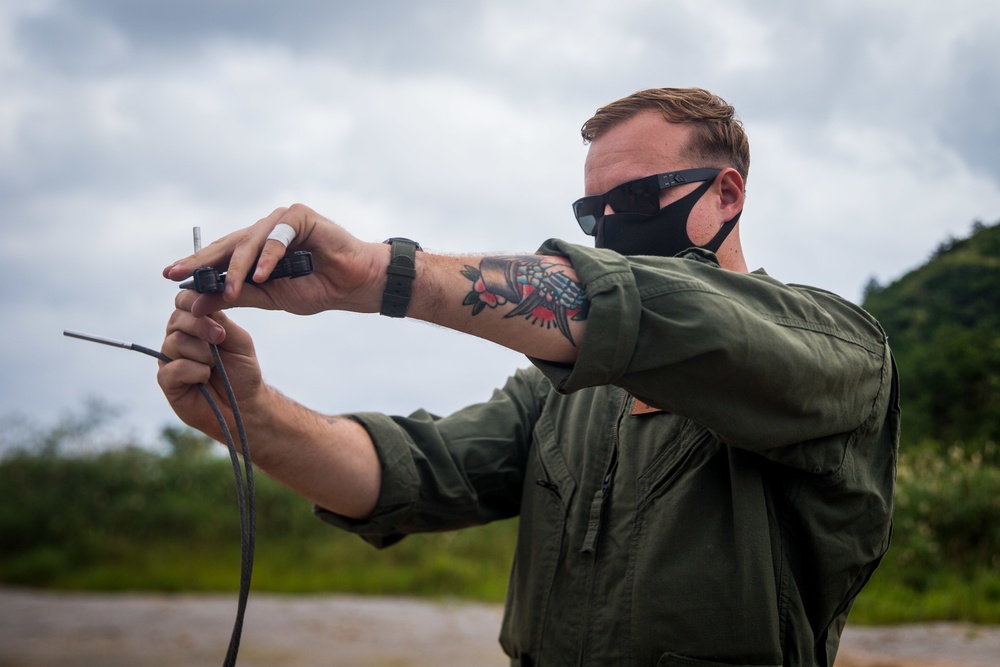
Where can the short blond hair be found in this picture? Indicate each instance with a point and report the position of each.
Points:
(718, 139)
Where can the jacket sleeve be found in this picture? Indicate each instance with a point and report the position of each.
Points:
(451, 472)
(761, 364)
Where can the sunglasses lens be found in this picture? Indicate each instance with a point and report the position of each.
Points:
(638, 196)
(641, 196)
(588, 211)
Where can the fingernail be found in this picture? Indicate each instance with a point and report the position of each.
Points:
(216, 333)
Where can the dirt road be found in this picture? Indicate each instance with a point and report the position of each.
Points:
(67, 629)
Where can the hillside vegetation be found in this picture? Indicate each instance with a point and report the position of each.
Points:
(165, 518)
(129, 518)
(943, 322)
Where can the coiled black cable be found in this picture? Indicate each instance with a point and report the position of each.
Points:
(248, 514)
(244, 495)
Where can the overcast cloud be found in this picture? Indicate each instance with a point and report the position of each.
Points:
(874, 129)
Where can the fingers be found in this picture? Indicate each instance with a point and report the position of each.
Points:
(343, 276)
(183, 322)
(186, 344)
(216, 328)
(264, 243)
(274, 250)
(179, 375)
(204, 329)
(206, 304)
(199, 305)
(275, 246)
(246, 251)
(236, 339)
(235, 252)
(189, 337)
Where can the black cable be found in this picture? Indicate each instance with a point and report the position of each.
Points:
(245, 498)
(248, 515)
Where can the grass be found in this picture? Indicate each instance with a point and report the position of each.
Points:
(471, 564)
(295, 553)
(947, 596)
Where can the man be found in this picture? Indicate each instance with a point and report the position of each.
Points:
(702, 458)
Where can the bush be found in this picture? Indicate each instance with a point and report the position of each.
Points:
(130, 518)
(944, 562)
(948, 509)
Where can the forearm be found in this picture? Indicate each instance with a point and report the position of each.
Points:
(532, 304)
(529, 303)
(330, 461)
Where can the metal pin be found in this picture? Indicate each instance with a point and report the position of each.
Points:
(196, 232)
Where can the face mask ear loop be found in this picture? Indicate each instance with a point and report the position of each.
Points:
(686, 203)
(723, 233)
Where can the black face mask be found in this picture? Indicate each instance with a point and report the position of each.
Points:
(663, 233)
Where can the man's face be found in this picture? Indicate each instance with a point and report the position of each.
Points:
(641, 146)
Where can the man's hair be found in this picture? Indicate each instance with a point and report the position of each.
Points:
(717, 139)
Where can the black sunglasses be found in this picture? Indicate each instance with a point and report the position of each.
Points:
(639, 196)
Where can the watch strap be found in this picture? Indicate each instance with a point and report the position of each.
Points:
(400, 273)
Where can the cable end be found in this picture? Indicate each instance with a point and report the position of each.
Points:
(96, 339)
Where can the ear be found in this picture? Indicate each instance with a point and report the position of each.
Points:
(731, 192)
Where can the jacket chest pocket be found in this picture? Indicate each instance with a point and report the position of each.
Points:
(668, 446)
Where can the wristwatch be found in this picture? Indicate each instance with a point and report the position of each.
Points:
(399, 276)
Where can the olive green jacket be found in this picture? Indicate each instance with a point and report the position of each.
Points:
(732, 519)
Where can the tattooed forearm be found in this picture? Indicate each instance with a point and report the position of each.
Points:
(538, 289)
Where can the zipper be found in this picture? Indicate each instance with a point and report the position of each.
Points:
(597, 504)
(594, 526)
(546, 484)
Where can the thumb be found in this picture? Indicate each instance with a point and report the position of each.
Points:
(237, 340)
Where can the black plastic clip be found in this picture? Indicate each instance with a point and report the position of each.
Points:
(207, 280)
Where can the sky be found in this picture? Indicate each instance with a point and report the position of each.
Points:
(874, 131)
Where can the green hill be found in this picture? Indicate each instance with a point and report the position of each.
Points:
(943, 321)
